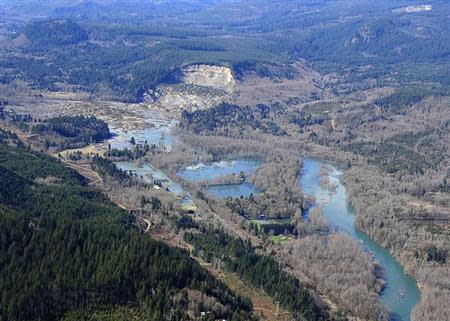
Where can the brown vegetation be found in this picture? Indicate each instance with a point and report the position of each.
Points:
(341, 270)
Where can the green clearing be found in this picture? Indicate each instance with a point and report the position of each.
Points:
(278, 239)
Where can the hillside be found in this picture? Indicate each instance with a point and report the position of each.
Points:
(59, 32)
(136, 47)
(65, 248)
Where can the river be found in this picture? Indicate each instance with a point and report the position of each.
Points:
(401, 293)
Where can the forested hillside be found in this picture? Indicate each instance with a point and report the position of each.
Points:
(126, 52)
(72, 131)
(65, 248)
(260, 270)
(49, 33)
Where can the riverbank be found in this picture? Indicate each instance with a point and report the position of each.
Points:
(401, 293)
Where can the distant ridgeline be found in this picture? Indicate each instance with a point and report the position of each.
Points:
(416, 48)
(124, 49)
(68, 253)
(124, 61)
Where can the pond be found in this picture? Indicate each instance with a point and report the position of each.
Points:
(209, 172)
(201, 172)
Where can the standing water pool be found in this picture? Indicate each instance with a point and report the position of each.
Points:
(209, 172)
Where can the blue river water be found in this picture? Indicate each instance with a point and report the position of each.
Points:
(401, 293)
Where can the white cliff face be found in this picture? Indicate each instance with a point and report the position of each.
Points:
(216, 77)
(199, 87)
(179, 99)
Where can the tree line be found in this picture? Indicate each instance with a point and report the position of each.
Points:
(64, 247)
(262, 271)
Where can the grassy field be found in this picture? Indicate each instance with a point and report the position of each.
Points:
(278, 239)
(321, 108)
